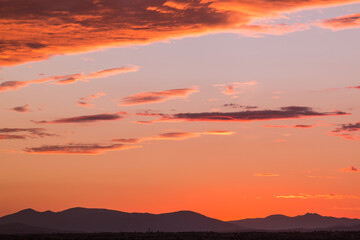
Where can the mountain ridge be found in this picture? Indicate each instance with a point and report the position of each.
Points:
(87, 220)
(279, 222)
(105, 220)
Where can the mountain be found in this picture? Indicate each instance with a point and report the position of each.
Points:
(18, 228)
(103, 220)
(309, 221)
(86, 220)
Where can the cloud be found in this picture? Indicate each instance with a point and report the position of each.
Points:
(15, 85)
(173, 136)
(272, 29)
(23, 133)
(230, 89)
(21, 109)
(350, 127)
(350, 169)
(337, 89)
(84, 101)
(244, 107)
(218, 132)
(11, 136)
(127, 140)
(85, 104)
(343, 22)
(354, 87)
(266, 175)
(291, 112)
(293, 126)
(266, 8)
(319, 196)
(347, 131)
(78, 148)
(160, 96)
(122, 143)
(111, 72)
(34, 30)
(87, 118)
(97, 95)
(67, 79)
(303, 126)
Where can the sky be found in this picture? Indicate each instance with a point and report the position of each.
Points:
(230, 108)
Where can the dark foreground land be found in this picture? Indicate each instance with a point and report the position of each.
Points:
(189, 236)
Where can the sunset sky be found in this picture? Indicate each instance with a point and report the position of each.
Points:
(229, 108)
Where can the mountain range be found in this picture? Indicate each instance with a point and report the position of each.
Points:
(85, 220)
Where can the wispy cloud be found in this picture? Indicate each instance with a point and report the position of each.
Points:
(173, 136)
(343, 22)
(266, 175)
(85, 101)
(67, 79)
(12, 136)
(286, 126)
(23, 133)
(319, 196)
(259, 30)
(354, 87)
(347, 131)
(159, 96)
(291, 112)
(78, 148)
(85, 104)
(350, 127)
(121, 143)
(239, 106)
(88, 118)
(231, 88)
(21, 109)
(127, 140)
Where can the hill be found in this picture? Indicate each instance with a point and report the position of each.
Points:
(309, 221)
(103, 220)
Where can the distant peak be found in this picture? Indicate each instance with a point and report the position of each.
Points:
(75, 209)
(312, 215)
(28, 210)
(86, 210)
(187, 212)
(276, 216)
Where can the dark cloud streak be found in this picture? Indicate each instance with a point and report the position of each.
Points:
(86, 118)
(291, 112)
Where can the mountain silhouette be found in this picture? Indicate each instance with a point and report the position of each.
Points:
(85, 220)
(103, 220)
(309, 221)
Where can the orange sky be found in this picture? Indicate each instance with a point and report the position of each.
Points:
(230, 108)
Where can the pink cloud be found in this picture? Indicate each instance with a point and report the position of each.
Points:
(78, 148)
(290, 112)
(87, 118)
(231, 89)
(266, 175)
(343, 22)
(318, 196)
(22, 109)
(159, 96)
(67, 79)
